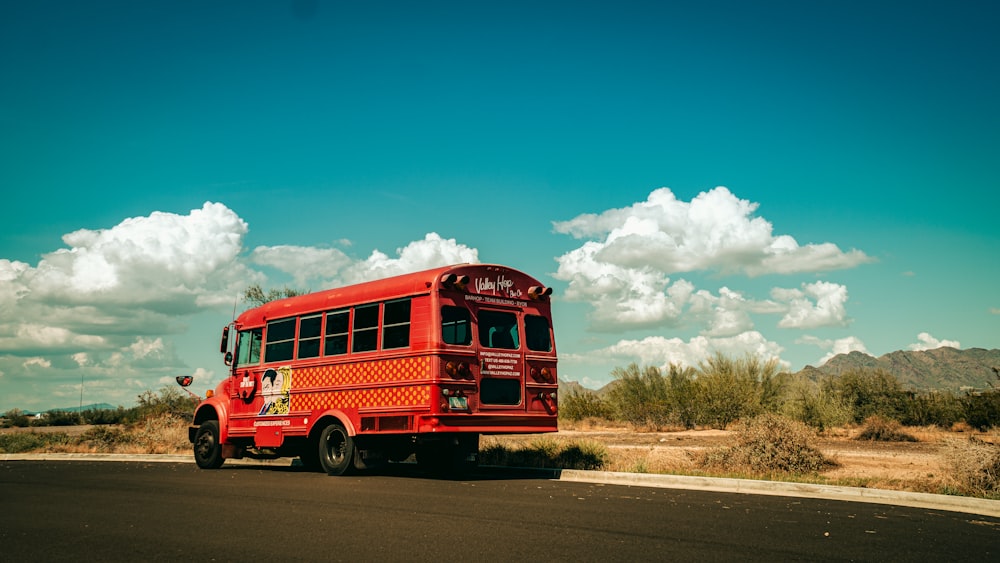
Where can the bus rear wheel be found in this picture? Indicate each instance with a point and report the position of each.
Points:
(207, 449)
(336, 450)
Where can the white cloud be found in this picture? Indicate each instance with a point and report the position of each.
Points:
(104, 308)
(927, 342)
(326, 267)
(625, 272)
(306, 264)
(431, 252)
(715, 231)
(818, 304)
(40, 362)
(662, 352)
(835, 347)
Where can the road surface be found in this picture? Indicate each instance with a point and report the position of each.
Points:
(117, 511)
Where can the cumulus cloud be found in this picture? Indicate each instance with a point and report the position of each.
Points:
(714, 231)
(624, 267)
(104, 307)
(927, 342)
(662, 352)
(819, 304)
(326, 267)
(835, 347)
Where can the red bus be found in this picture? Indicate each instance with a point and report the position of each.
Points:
(354, 377)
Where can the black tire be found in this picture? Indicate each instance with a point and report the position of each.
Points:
(336, 450)
(207, 449)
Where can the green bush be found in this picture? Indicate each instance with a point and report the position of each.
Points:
(815, 405)
(729, 390)
(20, 442)
(17, 418)
(640, 397)
(869, 392)
(982, 409)
(580, 405)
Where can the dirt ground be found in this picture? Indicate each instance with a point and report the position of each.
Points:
(913, 466)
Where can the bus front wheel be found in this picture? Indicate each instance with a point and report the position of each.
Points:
(207, 449)
(336, 450)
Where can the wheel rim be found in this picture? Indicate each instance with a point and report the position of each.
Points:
(206, 443)
(336, 447)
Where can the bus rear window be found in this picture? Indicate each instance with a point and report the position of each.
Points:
(455, 327)
(536, 333)
(498, 329)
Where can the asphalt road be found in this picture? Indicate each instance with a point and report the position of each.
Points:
(52, 511)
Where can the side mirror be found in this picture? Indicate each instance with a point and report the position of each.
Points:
(184, 380)
(224, 345)
(229, 358)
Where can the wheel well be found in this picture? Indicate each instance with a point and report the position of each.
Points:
(328, 419)
(204, 414)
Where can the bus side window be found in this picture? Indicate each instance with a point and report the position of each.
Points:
(365, 328)
(498, 330)
(396, 324)
(280, 345)
(248, 348)
(536, 333)
(455, 325)
(309, 336)
(337, 329)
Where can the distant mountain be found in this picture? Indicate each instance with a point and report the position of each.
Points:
(91, 407)
(940, 368)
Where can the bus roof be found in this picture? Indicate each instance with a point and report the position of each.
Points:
(393, 288)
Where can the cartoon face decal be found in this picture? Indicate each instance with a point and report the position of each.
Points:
(275, 385)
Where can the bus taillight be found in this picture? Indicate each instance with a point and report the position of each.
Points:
(543, 375)
(458, 370)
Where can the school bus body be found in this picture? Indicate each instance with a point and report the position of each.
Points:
(420, 363)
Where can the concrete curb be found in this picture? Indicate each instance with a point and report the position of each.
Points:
(968, 505)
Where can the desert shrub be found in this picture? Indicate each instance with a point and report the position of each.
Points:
(869, 392)
(767, 444)
(104, 416)
(639, 396)
(815, 405)
(169, 401)
(939, 408)
(975, 466)
(16, 417)
(982, 409)
(683, 395)
(580, 405)
(21, 442)
(547, 453)
(729, 390)
(106, 439)
(57, 418)
(881, 429)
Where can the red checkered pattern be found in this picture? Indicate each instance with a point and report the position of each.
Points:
(375, 374)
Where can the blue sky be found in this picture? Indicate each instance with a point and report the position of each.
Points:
(793, 179)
